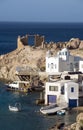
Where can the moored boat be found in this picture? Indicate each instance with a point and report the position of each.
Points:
(21, 86)
(15, 108)
(61, 112)
(52, 109)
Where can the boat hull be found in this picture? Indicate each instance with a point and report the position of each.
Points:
(13, 109)
(16, 90)
(51, 109)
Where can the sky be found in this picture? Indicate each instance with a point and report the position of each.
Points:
(41, 10)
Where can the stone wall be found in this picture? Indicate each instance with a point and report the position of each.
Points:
(39, 41)
(23, 41)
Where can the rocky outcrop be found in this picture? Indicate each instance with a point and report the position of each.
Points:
(73, 43)
(78, 125)
(26, 57)
(34, 57)
(58, 126)
(23, 41)
(81, 45)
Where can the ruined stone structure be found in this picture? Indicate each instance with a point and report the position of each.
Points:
(23, 41)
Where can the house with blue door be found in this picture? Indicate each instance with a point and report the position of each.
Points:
(62, 91)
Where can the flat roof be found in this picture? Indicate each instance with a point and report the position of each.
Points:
(62, 81)
(20, 81)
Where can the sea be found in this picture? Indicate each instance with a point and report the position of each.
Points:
(56, 32)
(30, 117)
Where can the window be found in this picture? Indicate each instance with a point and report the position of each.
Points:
(76, 65)
(52, 65)
(72, 89)
(62, 53)
(65, 52)
(53, 88)
(71, 66)
(55, 66)
(59, 53)
(48, 65)
(62, 90)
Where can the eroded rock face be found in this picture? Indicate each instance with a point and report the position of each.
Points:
(78, 125)
(24, 57)
(34, 57)
(81, 45)
(79, 122)
(79, 117)
(73, 43)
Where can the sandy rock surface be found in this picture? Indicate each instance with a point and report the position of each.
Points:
(34, 57)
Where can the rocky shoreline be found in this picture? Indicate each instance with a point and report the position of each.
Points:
(34, 57)
(78, 125)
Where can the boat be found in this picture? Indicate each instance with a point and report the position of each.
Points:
(21, 86)
(61, 112)
(15, 108)
(37, 88)
(51, 109)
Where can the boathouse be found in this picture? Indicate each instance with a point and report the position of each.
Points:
(62, 92)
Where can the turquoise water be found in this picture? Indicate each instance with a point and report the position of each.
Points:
(29, 118)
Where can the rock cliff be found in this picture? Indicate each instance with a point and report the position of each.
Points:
(27, 56)
(34, 57)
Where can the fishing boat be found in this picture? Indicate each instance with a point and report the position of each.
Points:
(20, 86)
(61, 112)
(15, 108)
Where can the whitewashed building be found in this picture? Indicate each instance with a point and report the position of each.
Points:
(64, 91)
(63, 61)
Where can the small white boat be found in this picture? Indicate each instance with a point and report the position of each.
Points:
(51, 109)
(61, 112)
(15, 108)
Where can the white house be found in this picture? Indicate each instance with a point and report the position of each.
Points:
(63, 61)
(63, 91)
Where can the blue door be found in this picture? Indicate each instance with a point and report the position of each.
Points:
(72, 102)
(51, 99)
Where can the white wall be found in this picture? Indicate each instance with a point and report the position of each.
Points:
(68, 93)
(47, 92)
(67, 86)
(49, 62)
(57, 93)
(81, 66)
(63, 60)
(61, 63)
